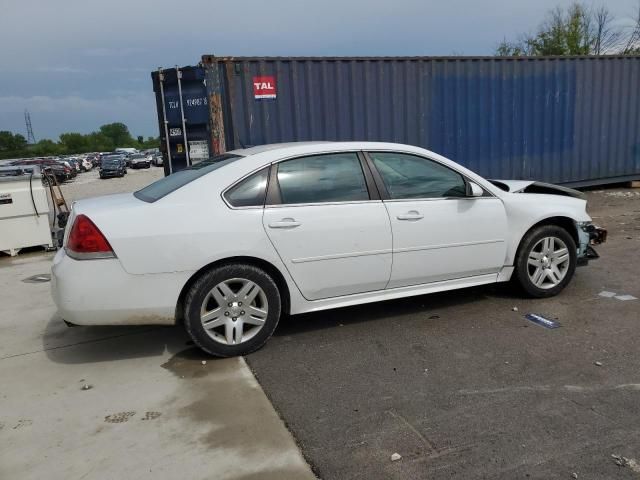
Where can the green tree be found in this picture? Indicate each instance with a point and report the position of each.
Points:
(73, 143)
(12, 145)
(98, 142)
(118, 133)
(578, 30)
(45, 147)
(107, 139)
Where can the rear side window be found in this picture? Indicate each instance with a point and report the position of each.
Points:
(250, 192)
(335, 177)
(410, 176)
(173, 182)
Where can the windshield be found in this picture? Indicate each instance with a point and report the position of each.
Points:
(173, 182)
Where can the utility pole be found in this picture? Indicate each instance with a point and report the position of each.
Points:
(31, 140)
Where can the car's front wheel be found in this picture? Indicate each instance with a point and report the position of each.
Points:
(546, 261)
(232, 310)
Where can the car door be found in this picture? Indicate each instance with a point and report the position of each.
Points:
(439, 233)
(332, 235)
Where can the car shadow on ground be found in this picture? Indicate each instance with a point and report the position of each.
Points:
(94, 344)
(429, 305)
(80, 344)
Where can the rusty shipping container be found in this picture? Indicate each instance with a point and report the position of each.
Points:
(568, 120)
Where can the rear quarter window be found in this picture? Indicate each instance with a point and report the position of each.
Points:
(173, 182)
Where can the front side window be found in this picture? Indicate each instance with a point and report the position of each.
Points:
(250, 192)
(335, 177)
(410, 176)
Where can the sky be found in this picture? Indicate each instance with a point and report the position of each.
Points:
(78, 64)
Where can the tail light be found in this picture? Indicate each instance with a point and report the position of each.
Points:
(86, 241)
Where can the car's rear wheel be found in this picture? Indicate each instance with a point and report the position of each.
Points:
(232, 310)
(546, 261)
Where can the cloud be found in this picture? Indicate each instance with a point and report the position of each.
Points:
(74, 113)
(112, 52)
(62, 69)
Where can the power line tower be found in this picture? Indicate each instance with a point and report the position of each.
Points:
(31, 139)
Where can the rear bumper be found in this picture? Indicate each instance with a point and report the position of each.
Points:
(101, 292)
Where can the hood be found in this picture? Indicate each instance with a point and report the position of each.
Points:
(530, 186)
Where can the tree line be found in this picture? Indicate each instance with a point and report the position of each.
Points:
(578, 30)
(107, 138)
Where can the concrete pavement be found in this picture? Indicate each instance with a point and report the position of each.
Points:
(150, 407)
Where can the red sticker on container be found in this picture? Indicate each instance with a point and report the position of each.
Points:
(264, 87)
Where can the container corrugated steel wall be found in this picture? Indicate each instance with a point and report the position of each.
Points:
(195, 107)
(572, 120)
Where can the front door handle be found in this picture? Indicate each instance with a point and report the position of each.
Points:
(411, 215)
(285, 223)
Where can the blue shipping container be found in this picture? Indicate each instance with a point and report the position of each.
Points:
(570, 120)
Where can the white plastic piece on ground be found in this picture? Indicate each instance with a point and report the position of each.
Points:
(606, 294)
(395, 457)
(625, 297)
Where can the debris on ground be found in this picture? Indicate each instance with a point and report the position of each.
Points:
(434, 317)
(515, 309)
(204, 362)
(86, 386)
(395, 457)
(621, 461)
(606, 294)
(624, 298)
(574, 475)
(597, 364)
(542, 321)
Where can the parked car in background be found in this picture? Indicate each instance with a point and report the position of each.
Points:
(230, 244)
(61, 170)
(126, 150)
(94, 158)
(74, 163)
(113, 166)
(140, 160)
(157, 159)
(86, 164)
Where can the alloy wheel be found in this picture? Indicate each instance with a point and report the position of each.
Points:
(234, 311)
(548, 262)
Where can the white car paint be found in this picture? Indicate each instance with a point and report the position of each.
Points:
(340, 254)
(356, 245)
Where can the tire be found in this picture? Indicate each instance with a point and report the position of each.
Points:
(221, 338)
(541, 269)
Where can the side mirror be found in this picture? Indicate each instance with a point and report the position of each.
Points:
(474, 190)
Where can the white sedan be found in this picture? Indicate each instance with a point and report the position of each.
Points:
(231, 244)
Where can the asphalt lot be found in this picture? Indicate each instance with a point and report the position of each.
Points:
(459, 384)
(462, 386)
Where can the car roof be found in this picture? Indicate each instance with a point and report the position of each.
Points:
(253, 150)
(278, 149)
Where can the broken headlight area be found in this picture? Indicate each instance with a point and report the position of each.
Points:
(589, 234)
(597, 235)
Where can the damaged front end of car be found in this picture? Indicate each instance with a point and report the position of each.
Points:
(589, 235)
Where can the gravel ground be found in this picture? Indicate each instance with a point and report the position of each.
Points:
(89, 184)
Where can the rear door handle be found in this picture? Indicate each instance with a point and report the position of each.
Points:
(411, 215)
(285, 223)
